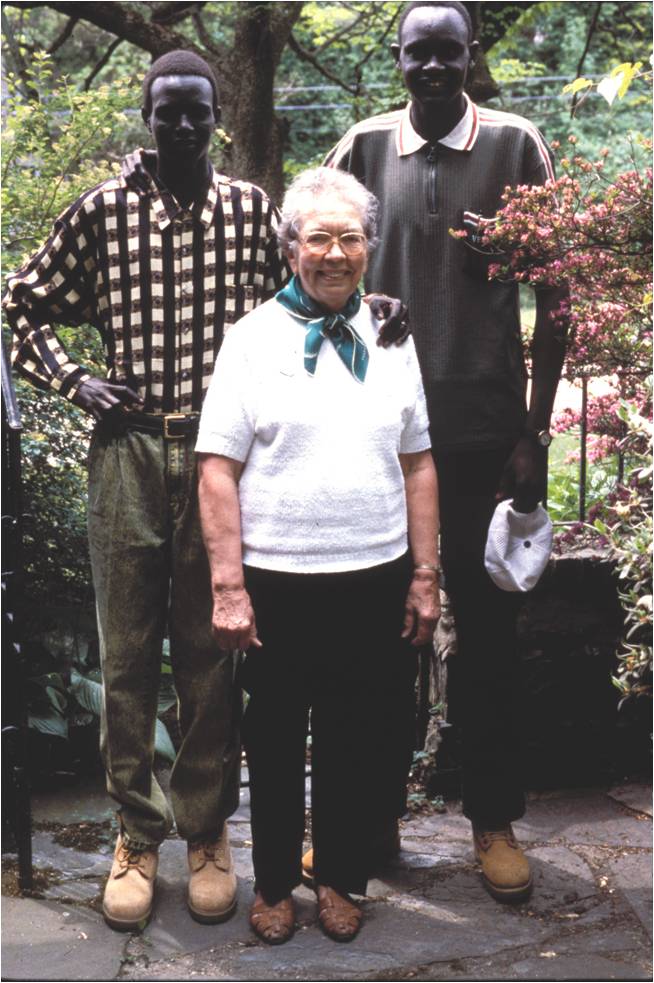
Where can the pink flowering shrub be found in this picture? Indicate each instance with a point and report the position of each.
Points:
(595, 235)
(626, 523)
(604, 426)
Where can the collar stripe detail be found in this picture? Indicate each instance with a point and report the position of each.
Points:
(474, 129)
(493, 118)
(387, 121)
(461, 137)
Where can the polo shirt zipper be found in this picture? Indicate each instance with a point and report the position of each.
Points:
(431, 180)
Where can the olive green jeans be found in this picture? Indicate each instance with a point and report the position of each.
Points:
(151, 576)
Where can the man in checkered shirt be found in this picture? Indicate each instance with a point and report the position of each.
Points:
(161, 267)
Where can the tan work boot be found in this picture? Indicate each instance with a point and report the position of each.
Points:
(127, 901)
(212, 884)
(504, 867)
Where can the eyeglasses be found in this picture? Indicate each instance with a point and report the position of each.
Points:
(319, 243)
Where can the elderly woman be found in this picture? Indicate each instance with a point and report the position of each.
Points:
(318, 499)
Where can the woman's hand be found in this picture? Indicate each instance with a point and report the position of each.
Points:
(233, 623)
(422, 608)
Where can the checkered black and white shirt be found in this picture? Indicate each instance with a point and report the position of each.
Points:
(159, 282)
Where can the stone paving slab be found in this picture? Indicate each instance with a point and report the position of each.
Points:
(632, 874)
(46, 852)
(543, 966)
(427, 914)
(43, 940)
(86, 801)
(634, 796)
(583, 818)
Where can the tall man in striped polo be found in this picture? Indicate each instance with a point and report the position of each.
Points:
(442, 163)
(161, 269)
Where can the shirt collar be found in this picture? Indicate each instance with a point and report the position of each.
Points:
(167, 208)
(462, 137)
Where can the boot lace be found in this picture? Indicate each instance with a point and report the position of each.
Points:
(487, 837)
(212, 851)
(131, 858)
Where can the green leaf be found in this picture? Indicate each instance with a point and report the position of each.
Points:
(577, 86)
(52, 724)
(87, 693)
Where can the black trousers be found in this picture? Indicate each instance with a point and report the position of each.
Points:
(331, 647)
(483, 679)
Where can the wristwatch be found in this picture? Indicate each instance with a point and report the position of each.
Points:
(542, 437)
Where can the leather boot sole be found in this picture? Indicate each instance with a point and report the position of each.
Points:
(211, 919)
(510, 895)
(126, 925)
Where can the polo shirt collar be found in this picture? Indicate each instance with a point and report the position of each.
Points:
(166, 207)
(462, 137)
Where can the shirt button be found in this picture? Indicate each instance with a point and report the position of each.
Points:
(187, 289)
(186, 375)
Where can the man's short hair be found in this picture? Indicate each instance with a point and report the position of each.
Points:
(454, 4)
(178, 62)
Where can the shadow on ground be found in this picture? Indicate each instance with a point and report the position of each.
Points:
(427, 914)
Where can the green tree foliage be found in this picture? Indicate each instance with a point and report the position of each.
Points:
(54, 148)
(563, 41)
(627, 525)
(310, 45)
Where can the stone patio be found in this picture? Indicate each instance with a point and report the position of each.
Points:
(427, 914)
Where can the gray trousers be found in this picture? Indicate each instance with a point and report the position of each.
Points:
(151, 575)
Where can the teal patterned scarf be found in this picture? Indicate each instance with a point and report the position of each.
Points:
(323, 324)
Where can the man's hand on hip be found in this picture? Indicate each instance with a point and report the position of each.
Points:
(100, 398)
(525, 476)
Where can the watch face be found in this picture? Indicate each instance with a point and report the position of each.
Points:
(544, 438)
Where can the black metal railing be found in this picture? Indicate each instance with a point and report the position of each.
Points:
(15, 784)
(584, 434)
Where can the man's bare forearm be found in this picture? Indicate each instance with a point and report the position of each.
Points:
(548, 355)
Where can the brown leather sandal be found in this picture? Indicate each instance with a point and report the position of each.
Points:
(339, 917)
(275, 923)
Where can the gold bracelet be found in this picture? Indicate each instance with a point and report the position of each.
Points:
(434, 567)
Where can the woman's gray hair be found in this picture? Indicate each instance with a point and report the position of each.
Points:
(325, 182)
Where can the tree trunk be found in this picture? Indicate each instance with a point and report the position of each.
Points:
(245, 73)
(247, 88)
(490, 22)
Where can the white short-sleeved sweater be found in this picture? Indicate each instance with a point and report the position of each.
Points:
(322, 489)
